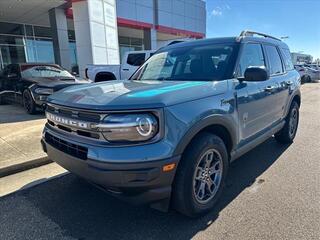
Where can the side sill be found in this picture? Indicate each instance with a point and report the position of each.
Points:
(255, 142)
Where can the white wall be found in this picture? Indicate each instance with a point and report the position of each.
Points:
(95, 24)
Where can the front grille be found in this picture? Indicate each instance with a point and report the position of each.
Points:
(81, 115)
(66, 147)
(78, 115)
(79, 132)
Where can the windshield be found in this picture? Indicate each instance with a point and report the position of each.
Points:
(194, 63)
(45, 71)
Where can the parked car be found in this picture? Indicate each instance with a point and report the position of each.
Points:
(130, 63)
(167, 136)
(307, 74)
(313, 66)
(31, 83)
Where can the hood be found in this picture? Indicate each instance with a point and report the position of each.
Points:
(51, 82)
(120, 95)
(55, 83)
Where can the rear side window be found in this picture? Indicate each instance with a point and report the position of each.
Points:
(287, 59)
(136, 59)
(251, 56)
(274, 60)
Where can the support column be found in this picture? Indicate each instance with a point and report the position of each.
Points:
(150, 39)
(95, 24)
(58, 22)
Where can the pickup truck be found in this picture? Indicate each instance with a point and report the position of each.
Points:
(130, 63)
(167, 136)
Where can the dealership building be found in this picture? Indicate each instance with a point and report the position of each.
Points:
(74, 33)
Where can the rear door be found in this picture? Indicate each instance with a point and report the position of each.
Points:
(280, 81)
(291, 75)
(131, 64)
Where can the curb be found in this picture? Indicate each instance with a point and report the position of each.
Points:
(24, 166)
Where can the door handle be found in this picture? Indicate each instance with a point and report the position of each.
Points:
(125, 69)
(269, 89)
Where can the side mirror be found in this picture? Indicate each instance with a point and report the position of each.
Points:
(256, 74)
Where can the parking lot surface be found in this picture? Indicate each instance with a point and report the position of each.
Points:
(273, 192)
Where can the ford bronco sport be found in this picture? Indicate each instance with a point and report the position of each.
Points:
(166, 137)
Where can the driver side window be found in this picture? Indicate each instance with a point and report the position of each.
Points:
(251, 55)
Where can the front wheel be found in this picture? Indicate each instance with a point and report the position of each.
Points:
(200, 176)
(288, 132)
(28, 102)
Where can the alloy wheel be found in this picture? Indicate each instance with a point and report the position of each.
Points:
(207, 176)
(27, 102)
(293, 122)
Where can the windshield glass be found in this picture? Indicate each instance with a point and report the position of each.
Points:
(45, 71)
(192, 63)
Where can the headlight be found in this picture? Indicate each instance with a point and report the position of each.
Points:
(47, 91)
(129, 127)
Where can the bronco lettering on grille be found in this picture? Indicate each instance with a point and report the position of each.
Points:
(67, 121)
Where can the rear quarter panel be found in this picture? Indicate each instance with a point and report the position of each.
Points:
(294, 89)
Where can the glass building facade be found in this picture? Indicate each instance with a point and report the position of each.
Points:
(20, 43)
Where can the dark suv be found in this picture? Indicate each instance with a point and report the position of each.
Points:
(31, 83)
(167, 136)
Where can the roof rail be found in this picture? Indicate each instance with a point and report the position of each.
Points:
(247, 33)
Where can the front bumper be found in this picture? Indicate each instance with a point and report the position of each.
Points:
(39, 99)
(136, 182)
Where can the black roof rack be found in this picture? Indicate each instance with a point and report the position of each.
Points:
(247, 33)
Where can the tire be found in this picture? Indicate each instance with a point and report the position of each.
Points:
(28, 102)
(188, 195)
(289, 130)
(307, 79)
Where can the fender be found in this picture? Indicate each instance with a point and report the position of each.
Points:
(216, 119)
(295, 93)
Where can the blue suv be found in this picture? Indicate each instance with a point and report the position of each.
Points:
(167, 136)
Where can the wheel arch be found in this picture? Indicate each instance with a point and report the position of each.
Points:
(108, 75)
(217, 125)
(296, 98)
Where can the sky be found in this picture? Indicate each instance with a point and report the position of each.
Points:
(299, 20)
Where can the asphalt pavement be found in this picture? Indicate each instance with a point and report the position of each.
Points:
(272, 192)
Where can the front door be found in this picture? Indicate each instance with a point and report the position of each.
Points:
(9, 83)
(254, 99)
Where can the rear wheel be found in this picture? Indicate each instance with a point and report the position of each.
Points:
(288, 132)
(200, 176)
(28, 102)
